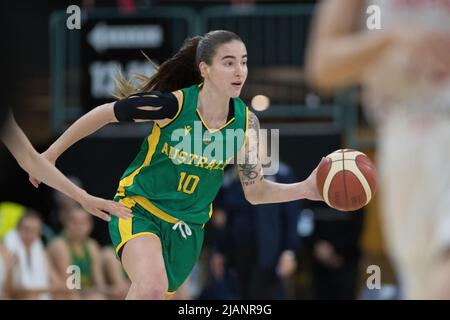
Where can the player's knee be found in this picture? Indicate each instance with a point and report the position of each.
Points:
(151, 291)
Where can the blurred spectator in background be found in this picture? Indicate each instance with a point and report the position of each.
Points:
(259, 242)
(62, 205)
(6, 265)
(74, 247)
(33, 275)
(336, 253)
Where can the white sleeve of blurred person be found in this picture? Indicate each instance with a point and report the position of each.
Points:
(340, 51)
(37, 166)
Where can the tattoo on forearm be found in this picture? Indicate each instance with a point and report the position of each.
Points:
(248, 173)
(250, 170)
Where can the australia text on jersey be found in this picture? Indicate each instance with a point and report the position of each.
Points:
(214, 150)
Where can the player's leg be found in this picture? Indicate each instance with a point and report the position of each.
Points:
(143, 261)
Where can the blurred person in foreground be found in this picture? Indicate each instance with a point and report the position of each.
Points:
(403, 64)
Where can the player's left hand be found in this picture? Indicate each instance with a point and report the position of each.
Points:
(98, 207)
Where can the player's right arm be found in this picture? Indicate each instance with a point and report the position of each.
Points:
(338, 53)
(151, 106)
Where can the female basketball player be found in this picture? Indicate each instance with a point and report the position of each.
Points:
(405, 70)
(33, 163)
(170, 189)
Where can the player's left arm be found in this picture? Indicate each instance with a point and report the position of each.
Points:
(259, 190)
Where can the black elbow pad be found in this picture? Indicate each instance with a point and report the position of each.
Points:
(146, 106)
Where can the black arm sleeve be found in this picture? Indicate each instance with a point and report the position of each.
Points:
(152, 105)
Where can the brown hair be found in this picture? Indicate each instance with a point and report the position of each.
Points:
(181, 70)
(29, 213)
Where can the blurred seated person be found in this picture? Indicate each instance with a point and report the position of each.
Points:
(33, 274)
(61, 204)
(74, 247)
(259, 242)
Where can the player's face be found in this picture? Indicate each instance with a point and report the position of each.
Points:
(228, 70)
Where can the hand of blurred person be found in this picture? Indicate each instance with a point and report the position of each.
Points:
(437, 63)
(287, 264)
(98, 207)
(325, 253)
(429, 51)
(217, 265)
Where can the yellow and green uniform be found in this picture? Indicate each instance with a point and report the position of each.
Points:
(83, 261)
(171, 183)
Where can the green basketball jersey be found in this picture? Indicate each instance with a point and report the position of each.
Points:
(180, 166)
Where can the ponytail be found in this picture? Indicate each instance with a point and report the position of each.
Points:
(178, 72)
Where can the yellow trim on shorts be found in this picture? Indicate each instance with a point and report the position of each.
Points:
(152, 141)
(130, 202)
(150, 207)
(180, 106)
(170, 293)
(125, 240)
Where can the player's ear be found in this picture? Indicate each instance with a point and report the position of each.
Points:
(204, 68)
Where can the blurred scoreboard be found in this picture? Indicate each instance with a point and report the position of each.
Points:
(116, 44)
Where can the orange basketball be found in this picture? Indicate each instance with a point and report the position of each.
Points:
(347, 179)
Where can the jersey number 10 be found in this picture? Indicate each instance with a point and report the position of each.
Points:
(185, 184)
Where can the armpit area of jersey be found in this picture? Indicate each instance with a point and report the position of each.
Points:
(152, 105)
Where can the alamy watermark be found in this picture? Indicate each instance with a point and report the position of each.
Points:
(73, 21)
(374, 279)
(213, 150)
(73, 281)
(373, 22)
